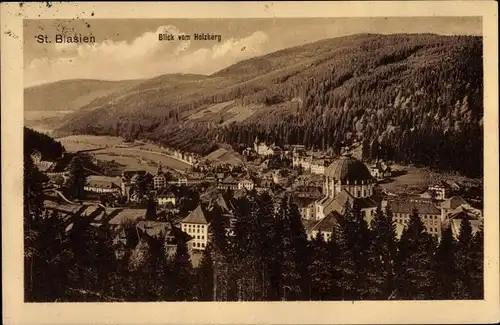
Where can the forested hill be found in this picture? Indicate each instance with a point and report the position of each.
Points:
(36, 141)
(419, 96)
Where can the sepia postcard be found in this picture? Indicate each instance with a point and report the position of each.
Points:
(250, 162)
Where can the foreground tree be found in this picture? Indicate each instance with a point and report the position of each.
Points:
(469, 261)
(76, 178)
(445, 266)
(180, 275)
(414, 269)
(320, 270)
(384, 254)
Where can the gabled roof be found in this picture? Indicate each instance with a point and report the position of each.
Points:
(154, 228)
(124, 215)
(229, 180)
(407, 206)
(196, 216)
(167, 195)
(302, 202)
(224, 203)
(453, 202)
(327, 223)
(462, 212)
(366, 203)
(130, 173)
(103, 181)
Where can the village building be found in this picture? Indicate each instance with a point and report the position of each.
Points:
(454, 219)
(439, 191)
(451, 204)
(262, 185)
(166, 198)
(380, 170)
(246, 183)
(134, 179)
(229, 183)
(262, 149)
(317, 166)
(303, 162)
(428, 212)
(224, 205)
(196, 225)
(306, 207)
(324, 226)
(347, 181)
(103, 184)
(159, 180)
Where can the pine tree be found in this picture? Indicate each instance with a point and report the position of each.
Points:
(33, 184)
(50, 260)
(414, 270)
(445, 267)
(384, 254)
(33, 204)
(346, 259)
(320, 270)
(245, 253)
(76, 178)
(205, 276)
(266, 232)
(466, 262)
(151, 209)
(181, 274)
(477, 274)
(219, 250)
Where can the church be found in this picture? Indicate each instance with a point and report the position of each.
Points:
(346, 180)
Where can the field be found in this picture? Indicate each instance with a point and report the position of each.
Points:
(413, 179)
(128, 156)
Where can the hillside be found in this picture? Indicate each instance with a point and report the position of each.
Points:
(71, 95)
(48, 148)
(419, 96)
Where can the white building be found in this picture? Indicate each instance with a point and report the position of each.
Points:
(103, 184)
(246, 183)
(438, 191)
(196, 225)
(164, 199)
(159, 180)
(318, 167)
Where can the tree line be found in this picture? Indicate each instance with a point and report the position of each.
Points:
(269, 258)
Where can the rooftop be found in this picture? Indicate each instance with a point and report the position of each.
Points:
(407, 206)
(103, 181)
(121, 216)
(196, 216)
(348, 169)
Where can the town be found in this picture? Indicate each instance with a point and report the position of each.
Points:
(167, 202)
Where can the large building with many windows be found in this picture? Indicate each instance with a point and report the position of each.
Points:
(196, 225)
(347, 180)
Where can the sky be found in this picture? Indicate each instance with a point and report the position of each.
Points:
(130, 49)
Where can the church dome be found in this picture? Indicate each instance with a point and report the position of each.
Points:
(347, 168)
